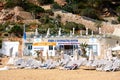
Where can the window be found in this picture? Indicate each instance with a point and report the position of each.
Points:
(29, 47)
(55, 48)
(94, 48)
(67, 47)
(61, 47)
(75, 46)
(50, 47)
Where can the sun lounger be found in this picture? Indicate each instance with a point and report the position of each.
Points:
(35, 64)
(100, 64)
(108, 66)
(116, 65)
(70, 67)
(46, 64)
(53, 65)
(4, 68)
(63, 62)
(18, 62)
(27, 63)
(84, 61)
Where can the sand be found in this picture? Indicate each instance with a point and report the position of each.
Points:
(56, 74)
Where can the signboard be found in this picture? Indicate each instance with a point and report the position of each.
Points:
(44, 44)
(92, 40)
(37, 40)
(68, 43)
(65, 41)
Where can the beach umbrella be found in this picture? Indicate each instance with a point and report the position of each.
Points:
(91, 55)
(48, 32)
(109, 54)
(76, 56)
(70, 33)
(117, 48)
(59, 32)
(47, 56)
(73, 31)
(36, 32)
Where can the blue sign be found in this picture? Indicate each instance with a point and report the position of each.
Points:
(24, 35)
(66, 40)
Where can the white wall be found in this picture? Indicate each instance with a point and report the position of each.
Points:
(10, 48)
(45, 50)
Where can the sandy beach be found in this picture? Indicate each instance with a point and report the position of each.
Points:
(56, 74)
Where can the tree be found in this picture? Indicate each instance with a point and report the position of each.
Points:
(44, 19)
(73, 1)
(94, 3)
(0, 43)
(118, 19)
(90, 12)
(56, 6)
(2, 27)
(33, 8)
(50, 12)
(10, 4)
(13, 3)
(83, 49)
(46, 1)
(68, 8)
(17, 30)
(118, 10)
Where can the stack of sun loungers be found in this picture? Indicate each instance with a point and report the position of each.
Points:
(67, 64)
(48, 64)
(105, 65)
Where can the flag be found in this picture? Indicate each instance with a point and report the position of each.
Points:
(24, 34)
(24, 38)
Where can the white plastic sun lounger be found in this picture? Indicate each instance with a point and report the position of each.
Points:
(108, 66)
(116, 65)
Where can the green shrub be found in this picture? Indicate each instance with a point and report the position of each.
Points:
(56, 6)
(118, 19)
(89, 12)
(46, 1)
(118, 10)
(0, 42)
